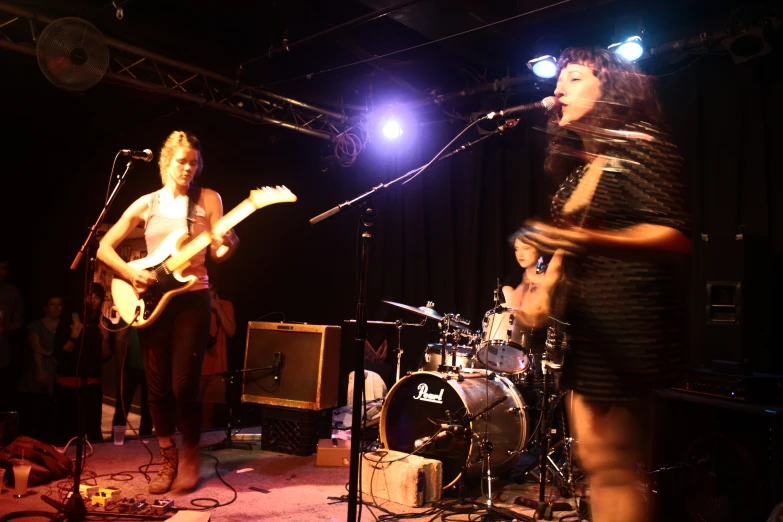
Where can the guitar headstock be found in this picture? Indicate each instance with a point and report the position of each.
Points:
(264, 196)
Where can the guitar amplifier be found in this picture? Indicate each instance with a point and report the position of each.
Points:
(298, 365)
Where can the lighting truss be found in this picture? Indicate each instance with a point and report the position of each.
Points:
(141, 69)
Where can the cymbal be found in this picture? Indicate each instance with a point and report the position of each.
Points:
(421, 310)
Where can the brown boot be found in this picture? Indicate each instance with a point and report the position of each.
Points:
(167, 472)
(191, 469)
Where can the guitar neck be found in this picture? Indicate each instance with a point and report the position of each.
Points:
(203, 240)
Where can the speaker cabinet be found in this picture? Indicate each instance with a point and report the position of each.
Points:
(734, 305)
(306, 357)
(717, 460)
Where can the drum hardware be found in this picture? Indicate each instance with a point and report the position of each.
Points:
(462, 424)
(397, 324)
(544, 509)
(453, 330)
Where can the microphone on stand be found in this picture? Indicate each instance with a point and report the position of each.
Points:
(418, 443)
(277, 362)
(144, 155)
(547, 105)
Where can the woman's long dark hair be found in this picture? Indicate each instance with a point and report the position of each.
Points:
(626, 97)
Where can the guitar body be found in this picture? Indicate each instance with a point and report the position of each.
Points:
(141, 310)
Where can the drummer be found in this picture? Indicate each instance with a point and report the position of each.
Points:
(517, 286)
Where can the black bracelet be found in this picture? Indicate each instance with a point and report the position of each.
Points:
(74, 341)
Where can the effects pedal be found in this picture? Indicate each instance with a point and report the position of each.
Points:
(104, 502)
(106, 497)
(161, 505)
(131, 505)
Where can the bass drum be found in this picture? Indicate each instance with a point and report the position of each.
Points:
(416, 406)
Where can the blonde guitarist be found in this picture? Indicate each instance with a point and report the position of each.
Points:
(173, 346)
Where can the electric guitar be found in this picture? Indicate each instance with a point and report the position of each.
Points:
(171, 258)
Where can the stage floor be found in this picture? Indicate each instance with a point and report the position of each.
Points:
(293, 488)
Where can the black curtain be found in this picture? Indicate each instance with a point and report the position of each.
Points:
(440, 238)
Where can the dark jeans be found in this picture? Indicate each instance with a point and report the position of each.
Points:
(173, 349)
(132, 379)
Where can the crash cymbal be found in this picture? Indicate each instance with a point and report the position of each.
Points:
(421, 310)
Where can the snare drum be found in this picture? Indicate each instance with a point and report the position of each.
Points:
(432, 357)
(504, 345)
(416, 406)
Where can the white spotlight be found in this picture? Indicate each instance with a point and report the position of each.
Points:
(543, 66)
(630, 50)
(392, 129)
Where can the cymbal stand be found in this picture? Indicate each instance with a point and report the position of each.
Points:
(397, 324)
(543, 508)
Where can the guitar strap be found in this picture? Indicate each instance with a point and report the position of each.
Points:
(194, 192)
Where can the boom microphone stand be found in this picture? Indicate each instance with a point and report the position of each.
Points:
(368, 215)
(75, 509)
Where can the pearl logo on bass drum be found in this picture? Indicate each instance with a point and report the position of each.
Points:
(428, 397)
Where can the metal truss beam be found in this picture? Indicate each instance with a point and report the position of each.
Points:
(141, 69)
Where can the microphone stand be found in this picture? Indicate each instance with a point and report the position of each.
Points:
(230, 375)
(75, 509)
(461, 505)
(367, 218)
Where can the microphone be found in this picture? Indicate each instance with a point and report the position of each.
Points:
(144, 155)
(547, 104)
(418, 443)
(277, 362)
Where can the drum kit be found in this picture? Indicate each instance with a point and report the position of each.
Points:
(471, 404)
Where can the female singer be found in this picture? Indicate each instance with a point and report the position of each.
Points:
(619, 231)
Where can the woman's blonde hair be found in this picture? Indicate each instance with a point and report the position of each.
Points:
(176, 140)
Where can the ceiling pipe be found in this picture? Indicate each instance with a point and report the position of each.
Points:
(286, 47)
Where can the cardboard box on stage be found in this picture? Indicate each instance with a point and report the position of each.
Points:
(333, 453)
(401, 478)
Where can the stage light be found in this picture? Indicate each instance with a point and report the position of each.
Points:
(543, 66)
(629, 39)
(630, 50)
(750, 40)
(392, 129)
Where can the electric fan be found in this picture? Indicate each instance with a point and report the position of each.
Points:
(72, 54)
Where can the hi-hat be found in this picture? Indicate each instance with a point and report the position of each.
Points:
(421, 310)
